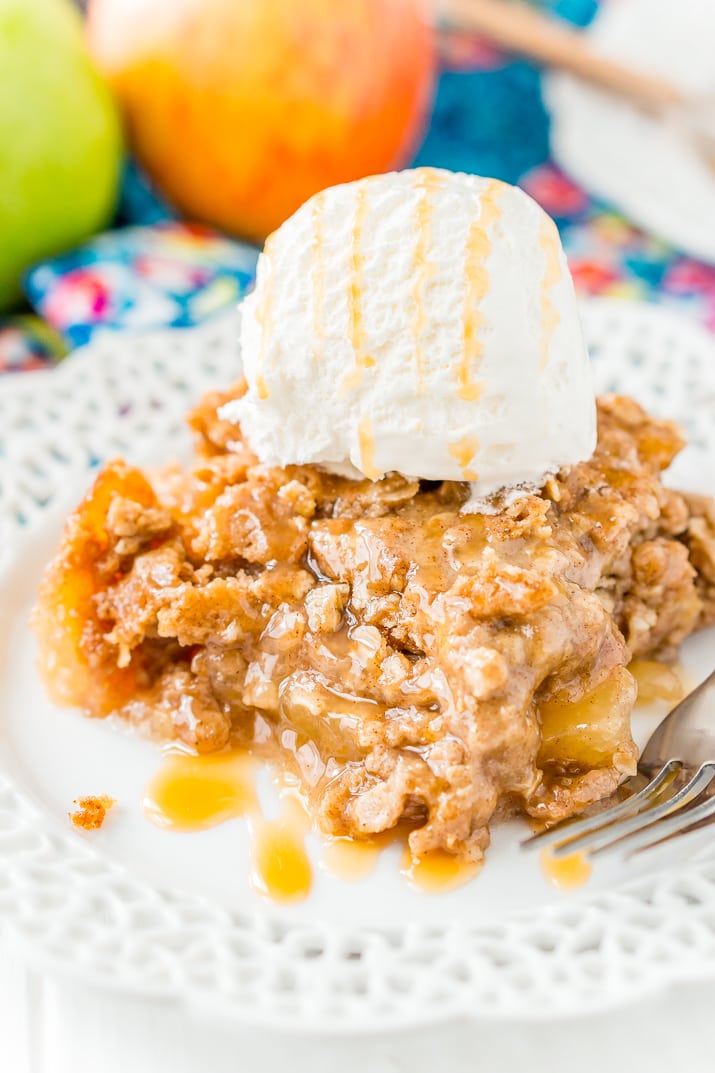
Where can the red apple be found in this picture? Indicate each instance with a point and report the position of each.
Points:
(241, 109)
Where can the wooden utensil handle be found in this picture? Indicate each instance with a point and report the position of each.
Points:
(521, 29)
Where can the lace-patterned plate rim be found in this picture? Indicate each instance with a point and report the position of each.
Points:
(74, 911)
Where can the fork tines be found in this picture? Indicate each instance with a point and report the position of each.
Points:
(659, 811)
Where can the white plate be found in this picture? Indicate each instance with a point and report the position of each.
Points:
(173, 914)
(651, 172)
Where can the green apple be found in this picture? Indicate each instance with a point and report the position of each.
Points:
(60, 138)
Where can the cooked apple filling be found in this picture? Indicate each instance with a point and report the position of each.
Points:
(410, 663)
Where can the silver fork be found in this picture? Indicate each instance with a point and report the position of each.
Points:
(678, 768)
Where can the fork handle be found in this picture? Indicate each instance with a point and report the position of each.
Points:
(517, 28)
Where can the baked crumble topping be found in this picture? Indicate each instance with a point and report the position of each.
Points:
(410, 663)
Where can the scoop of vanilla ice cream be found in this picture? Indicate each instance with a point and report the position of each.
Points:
(421, 321)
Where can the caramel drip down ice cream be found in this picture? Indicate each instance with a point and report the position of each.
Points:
(422, 322)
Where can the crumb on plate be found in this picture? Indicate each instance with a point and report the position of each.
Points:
(91, 811)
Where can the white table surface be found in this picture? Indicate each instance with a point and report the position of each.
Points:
(51, 1026)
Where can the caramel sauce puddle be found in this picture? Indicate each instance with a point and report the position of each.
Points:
(352, 859)
(436, 872)
(658, 681)
(349, 860)
(280, 866)
(566, 873)
(194, 793)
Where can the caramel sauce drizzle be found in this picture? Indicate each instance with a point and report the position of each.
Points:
(358, 338)
(477, 282)
(367, 449)
(553, 273)
(317, 218)
(423, 269)
(463, 451)
(264, 318)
